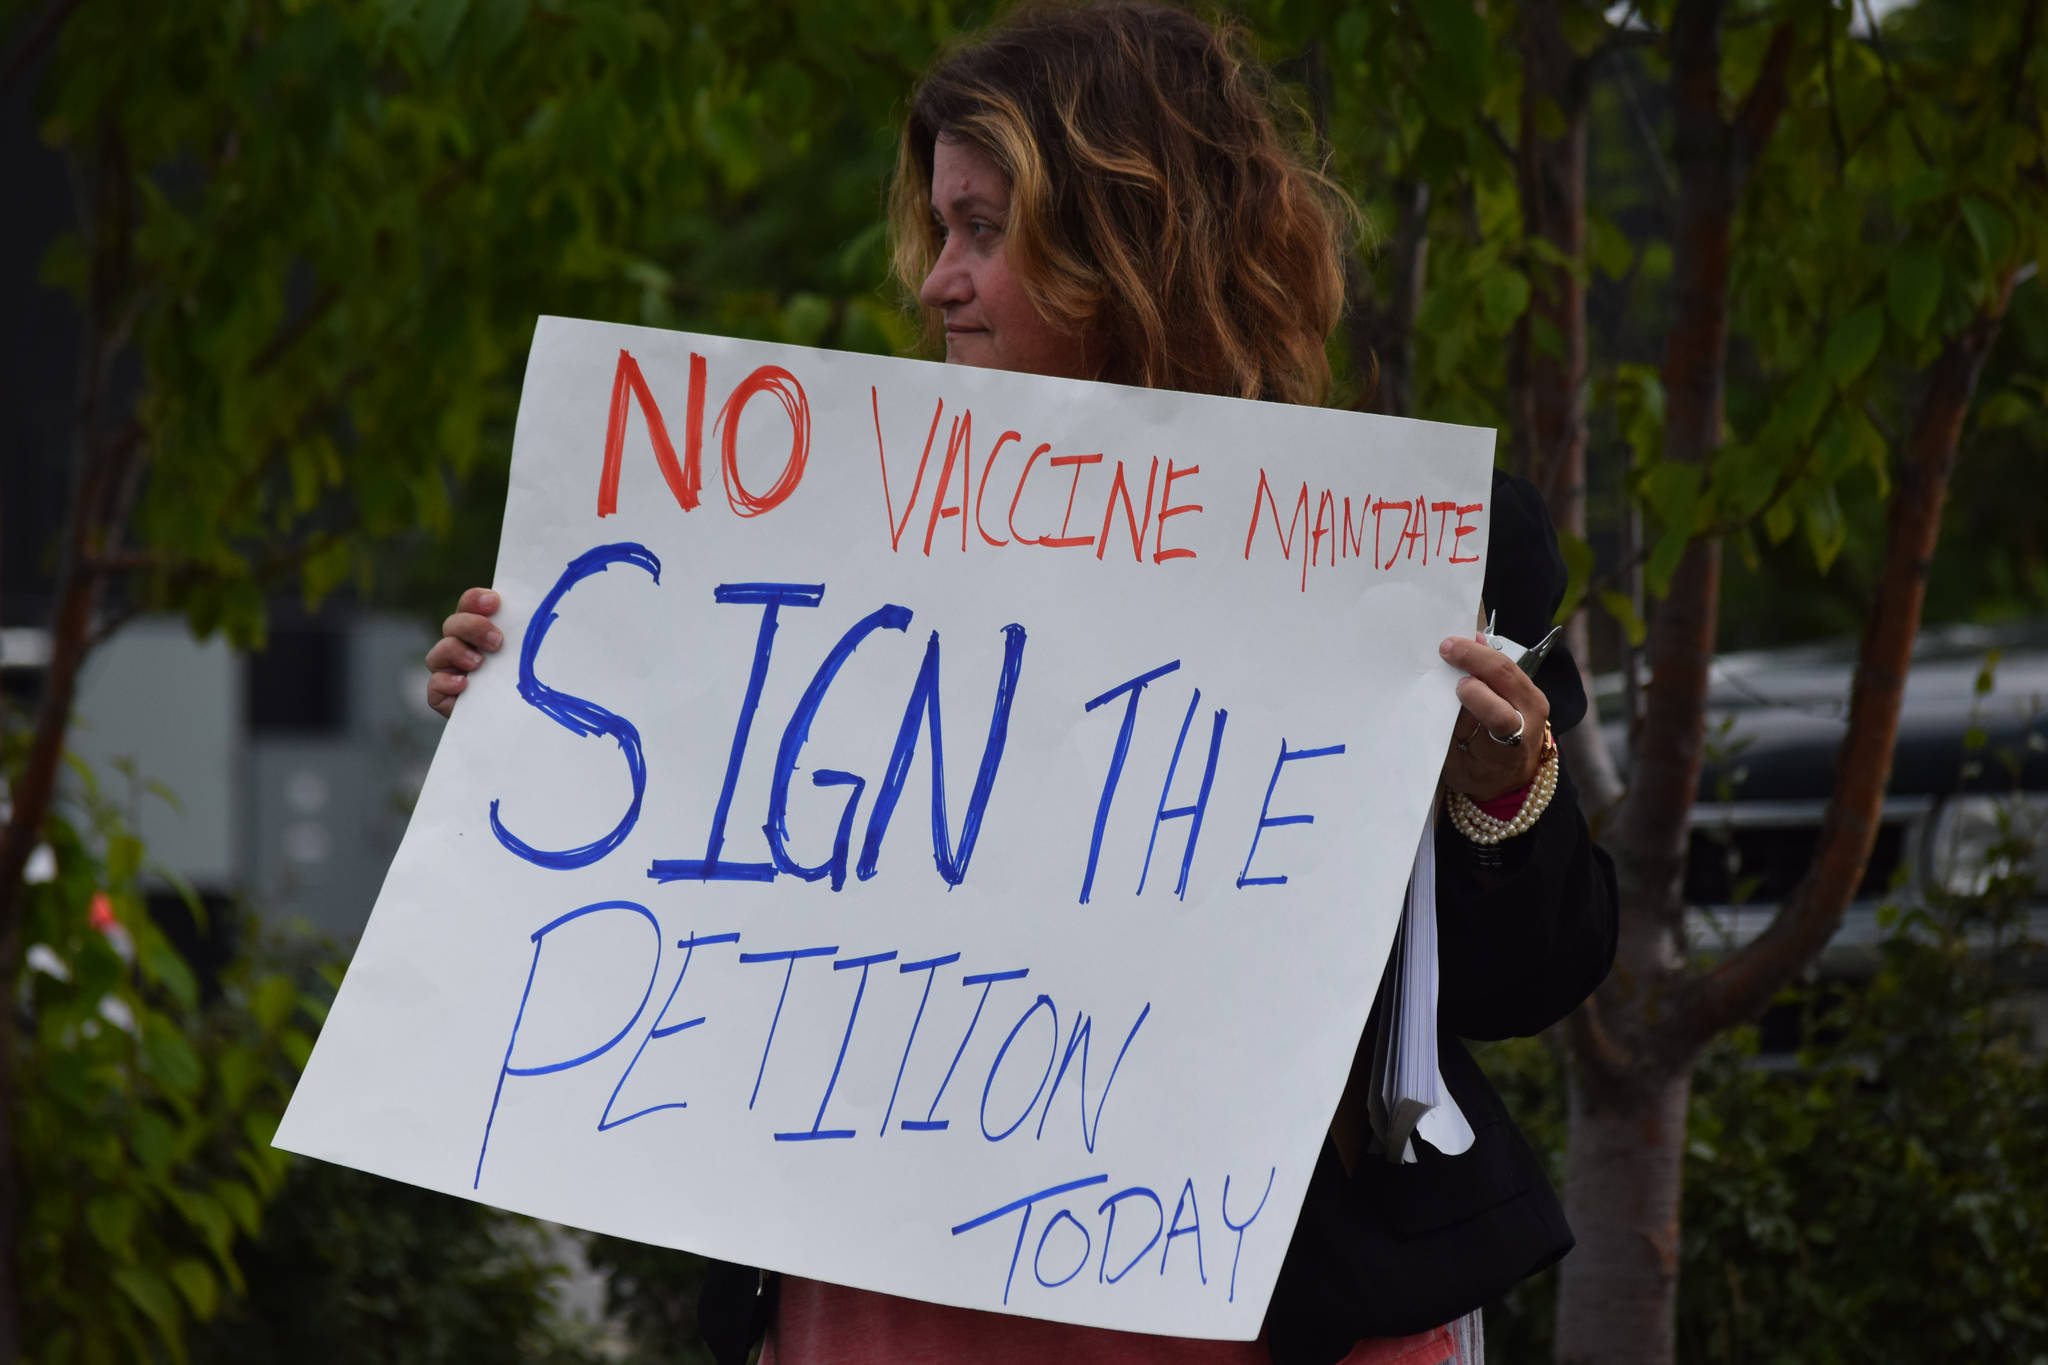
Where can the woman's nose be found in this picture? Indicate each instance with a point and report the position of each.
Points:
(948, 281)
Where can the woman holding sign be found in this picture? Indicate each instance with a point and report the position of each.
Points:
(1104, 192)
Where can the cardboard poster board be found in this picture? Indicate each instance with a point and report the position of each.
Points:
(929, 829)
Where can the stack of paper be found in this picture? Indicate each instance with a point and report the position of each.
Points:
(1409, 1096)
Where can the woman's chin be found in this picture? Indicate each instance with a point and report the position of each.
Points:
(970, 348)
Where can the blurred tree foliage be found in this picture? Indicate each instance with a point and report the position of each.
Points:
(1877, 1193)
(652, 1292)
(1879, 222)
(145, 1108)
(311, 242)
(351, 1267)
(337, 222)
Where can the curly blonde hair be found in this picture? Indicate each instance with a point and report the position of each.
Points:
(1158, 203)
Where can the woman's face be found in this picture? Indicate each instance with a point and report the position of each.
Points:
(990, 321)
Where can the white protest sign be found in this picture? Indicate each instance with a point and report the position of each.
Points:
(929, 829)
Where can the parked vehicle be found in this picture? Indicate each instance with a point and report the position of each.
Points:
(1970, 766)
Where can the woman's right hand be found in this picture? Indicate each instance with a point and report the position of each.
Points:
(466, 637)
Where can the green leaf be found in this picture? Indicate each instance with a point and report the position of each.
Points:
(493, 26)
(1352, 29)
(1663, 562)
(259, 1128)
(64, 266)
(168, 1058)
(1609, 247)
(1584, 25)
(325, 570)
(1639, 410)
(1547, 252)
(153, 1139)
(147, 1291)
(1987, 676)
(436, 25)
(1780, 521)
(1797, 410)
(1657, 261)
(1865, 440)
(805, 318)
(1826, 530)
(2006, 409)
(124, 858)
(272, 1002)
(196, 1282)
(241, 1204)
(1618, 606)
(1672, 491)
(1992, 229)
(1502, 297)
(207, 1217)
(1917, 188)
(162, 964)
(1578, 567)
(1854, 342)
(237, 1069)
(1458, 70)
(164, 794)
(1745, 472)
(111, 1219)
(1913, 287)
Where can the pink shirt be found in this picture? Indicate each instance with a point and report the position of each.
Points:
(828, 1324)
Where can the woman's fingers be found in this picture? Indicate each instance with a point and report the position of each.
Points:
(1489, 708)
(481, 601)
(1496, 689)
(473, 628)
(443, 689)
(453, 654)
(466, 637)
(1498, 698)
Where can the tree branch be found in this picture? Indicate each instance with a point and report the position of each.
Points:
(1884, 66)
(295, 331)
(1744, 982)
(2028, 23)
(1667, 184)
(322, 302)
(1835, 132)
(1764, 104)
(32, 48)
(1499, 139)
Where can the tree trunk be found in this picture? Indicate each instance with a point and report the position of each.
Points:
(1382, 336)
(1617, 1291)
(1633, 1067)
(101, 494)
(30, 797)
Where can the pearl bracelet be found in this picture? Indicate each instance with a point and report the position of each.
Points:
(1485, 830)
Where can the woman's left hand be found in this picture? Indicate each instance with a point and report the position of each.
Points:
(1498, 696)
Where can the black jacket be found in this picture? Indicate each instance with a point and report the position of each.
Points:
(1389, 1250)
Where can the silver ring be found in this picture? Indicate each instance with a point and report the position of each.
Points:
(1521, 725)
